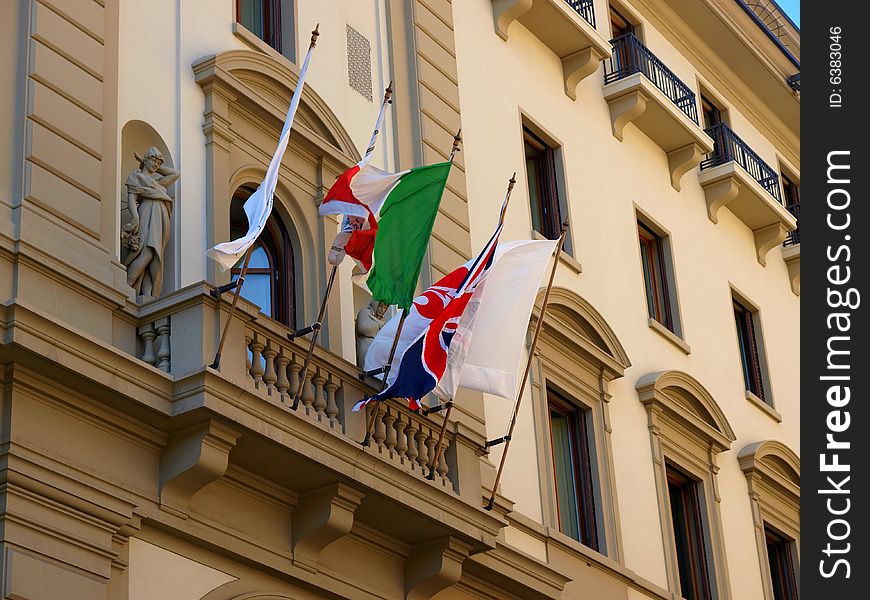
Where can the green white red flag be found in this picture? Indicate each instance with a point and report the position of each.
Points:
(388, 219)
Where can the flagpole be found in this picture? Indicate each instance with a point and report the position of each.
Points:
(238, 283)
(371, 424)
(317, 325)
(511, 182)
(489, 505)
(315, 328)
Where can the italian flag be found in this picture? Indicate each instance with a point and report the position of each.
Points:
(389, 221)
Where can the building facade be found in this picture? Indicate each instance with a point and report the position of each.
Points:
(656, 454)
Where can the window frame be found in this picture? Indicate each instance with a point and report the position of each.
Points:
(278, 246)
(580, 440)
(695, 534)
(546, 184)
(772, 473)
(750, 324)
(655, 275)
(783, 547)
(272, 24)
(577, 357)
(688, 430)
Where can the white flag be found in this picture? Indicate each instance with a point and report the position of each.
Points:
(258, 206)
(486, 349)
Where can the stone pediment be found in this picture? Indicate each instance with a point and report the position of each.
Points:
(262, 86)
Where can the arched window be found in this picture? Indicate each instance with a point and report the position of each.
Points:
(270, 281)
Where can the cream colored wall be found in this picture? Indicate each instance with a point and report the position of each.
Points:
(604, 179)
(159, 573)
(160, 41)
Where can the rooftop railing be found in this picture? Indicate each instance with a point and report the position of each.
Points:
(729, 147)
(630, 56)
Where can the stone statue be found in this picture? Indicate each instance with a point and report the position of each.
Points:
(368, 323)
(145, 236)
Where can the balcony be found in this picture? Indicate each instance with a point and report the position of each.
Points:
(733, 175)
(567, 27)
(791, 250)
(641, 89)
(316, 447)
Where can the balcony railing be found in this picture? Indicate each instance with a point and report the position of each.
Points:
(584, 8)
(794, 237)
(630, 56)
(729, 147)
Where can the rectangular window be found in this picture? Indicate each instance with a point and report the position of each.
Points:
(782, 567)
(791, 195)
(749, 341)
(685, 500)
(572, 465)
(619, 25)
(712, 113)
(655, 276)
(543, 186)
(262, 18)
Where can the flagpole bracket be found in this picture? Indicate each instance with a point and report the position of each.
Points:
(366, 374)
(497, 441)
(304, 331)
(219, 291)
(434, 409)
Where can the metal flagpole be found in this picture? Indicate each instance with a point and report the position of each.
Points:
(538, 328)
(238, 283)
(315, 328)
(317, 325)
(457, 139)
(386, 372)
(449, 404)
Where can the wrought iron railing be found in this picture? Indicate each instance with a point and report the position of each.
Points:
(630, 56)
(584, 8)
(794, 237)
(729, 147)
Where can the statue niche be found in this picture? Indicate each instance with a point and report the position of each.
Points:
(146, 227)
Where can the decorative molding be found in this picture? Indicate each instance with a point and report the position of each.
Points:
(792, 257)
(505, 12)
(323, 516)
(680, 396)
(195, 457)
(434, 566)
(682, 160)
(625, 109)
(768, 238)
(578, 66)
(718, 195)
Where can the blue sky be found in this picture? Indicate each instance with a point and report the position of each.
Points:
(792, 9)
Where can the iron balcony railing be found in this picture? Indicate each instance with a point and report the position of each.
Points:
(630, 56)
(794, 237)
(727, 147)
(584, 8)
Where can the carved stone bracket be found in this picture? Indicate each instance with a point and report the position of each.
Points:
(323, 516)
(718, 195)
(768, 238)
(578, 66)
(434, 566)
(195, 457)
(505, 12)
(792, 258)
(682, 160)
(625, 109)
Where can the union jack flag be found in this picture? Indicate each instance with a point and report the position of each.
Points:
(438, 310)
